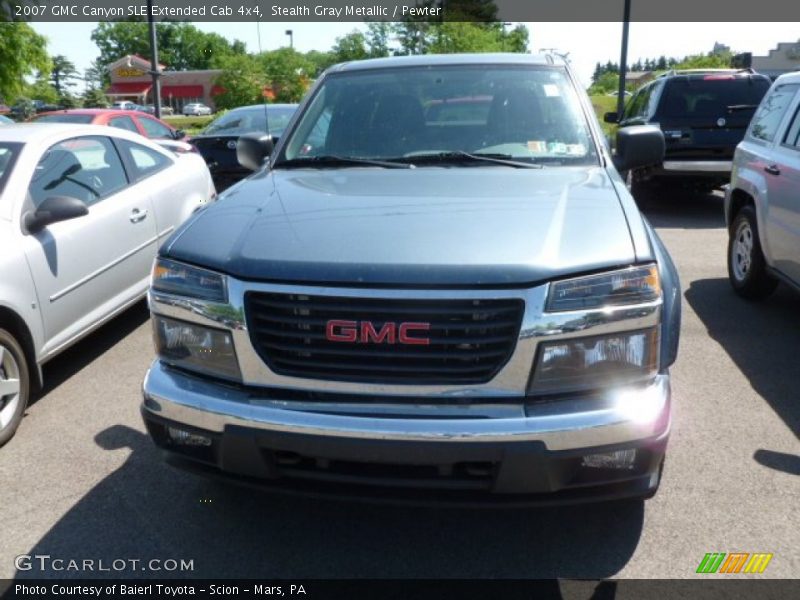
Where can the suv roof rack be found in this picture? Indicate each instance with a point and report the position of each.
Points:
(702, 71)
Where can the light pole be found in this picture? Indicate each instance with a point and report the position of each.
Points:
(290, 33)
(154, 72)
(623, 67)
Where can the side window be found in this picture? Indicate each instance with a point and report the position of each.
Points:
(792, 137)
(635, 106)
(154, 129)
(123, 123)
(145, 161)
(87, 168)
(768, 117)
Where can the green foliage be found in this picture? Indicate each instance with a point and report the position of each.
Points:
(320, 61)
(242, 80)
(22, 52)
(42, 89)
(288, 72)
(712, 60)
(607, 82)
(95, 98)
(352, 46)
(191, 125)
(181, 46)
(63, 75)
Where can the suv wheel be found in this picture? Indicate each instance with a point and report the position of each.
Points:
(14, 385)
(747, 269)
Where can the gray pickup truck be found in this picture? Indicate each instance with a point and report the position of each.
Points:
(434, 287)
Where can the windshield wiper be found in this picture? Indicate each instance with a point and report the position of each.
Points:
(330, 160)
(736, 107)
(460, 155)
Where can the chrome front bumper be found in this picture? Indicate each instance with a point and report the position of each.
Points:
(619, 417)
(699, 166)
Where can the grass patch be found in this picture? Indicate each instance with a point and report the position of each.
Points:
(191, 125)
(603, 104)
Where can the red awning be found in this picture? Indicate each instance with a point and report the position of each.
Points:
(217, 90)
(182, 91)
(130, 88)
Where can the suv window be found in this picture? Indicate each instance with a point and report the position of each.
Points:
(639, 104)
(711, 96)
(87, 168)
(154, 129)
(123, 123)
(769, 115)
(792, 137)
(525, 113)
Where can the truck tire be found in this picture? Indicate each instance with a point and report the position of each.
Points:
(747, 268)
(14, 385)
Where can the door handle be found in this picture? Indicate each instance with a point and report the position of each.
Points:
(138, 215)
(772, 169)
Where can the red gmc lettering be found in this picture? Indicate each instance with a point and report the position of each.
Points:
(406, 328)
(347, 331)
(387, 332)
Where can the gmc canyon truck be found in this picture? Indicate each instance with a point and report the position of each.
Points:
(435, 286)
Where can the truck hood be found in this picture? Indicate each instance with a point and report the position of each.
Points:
(430, 226)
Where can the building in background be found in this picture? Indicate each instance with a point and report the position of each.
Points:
(638, 78)
(131, 80)
(783, 59)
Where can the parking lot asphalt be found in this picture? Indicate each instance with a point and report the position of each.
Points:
(81, 480)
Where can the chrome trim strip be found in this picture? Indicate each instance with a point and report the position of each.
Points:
(700, 166)
(101, 270)
(195, 402)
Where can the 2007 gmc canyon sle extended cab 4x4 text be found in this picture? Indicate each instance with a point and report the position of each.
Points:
(435, 287)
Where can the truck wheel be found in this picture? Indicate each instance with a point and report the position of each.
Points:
(14, 385)
(747, 269)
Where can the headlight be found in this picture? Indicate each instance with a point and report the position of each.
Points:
(595, 362)
(195, 347)
(185, 280)
(627, 286)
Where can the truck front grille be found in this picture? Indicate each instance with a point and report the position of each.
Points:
(469, 341)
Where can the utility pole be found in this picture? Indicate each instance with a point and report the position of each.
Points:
(154, 72)
(290, 33)
(623, 67)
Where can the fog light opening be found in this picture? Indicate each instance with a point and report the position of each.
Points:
(186, 438)
(619, 459)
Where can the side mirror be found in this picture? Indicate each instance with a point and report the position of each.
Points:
(53, 210)
(179, 134)
(639, 146)
(252, 149)
(611, 117)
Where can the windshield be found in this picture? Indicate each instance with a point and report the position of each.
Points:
(64, 119)
(8, 155)
(529, 114)
(252, 120)
(712, 97)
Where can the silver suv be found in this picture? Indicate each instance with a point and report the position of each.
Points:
(762, 203)
(438, 286)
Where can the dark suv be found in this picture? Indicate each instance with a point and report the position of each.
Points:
(703, 114)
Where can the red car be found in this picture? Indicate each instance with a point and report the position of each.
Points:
(132, 120)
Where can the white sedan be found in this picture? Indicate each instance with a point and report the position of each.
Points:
(83, 210)
(196, 109)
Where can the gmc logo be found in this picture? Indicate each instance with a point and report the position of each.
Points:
(364, 332)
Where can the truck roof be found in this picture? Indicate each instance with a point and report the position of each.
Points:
(449, 59)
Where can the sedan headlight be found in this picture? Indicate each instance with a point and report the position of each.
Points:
(613, 360)
(180, 279)
(195, 347)
(634, 285)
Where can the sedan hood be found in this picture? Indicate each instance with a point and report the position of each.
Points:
(430, 226)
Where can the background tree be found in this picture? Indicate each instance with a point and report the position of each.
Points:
(96, 76)
(95, 98)
(351, 46)
(63, 74)
(181, 46)
(320, 61)
(242, 81)
(22, 52)
(288, 72)
(379, 35)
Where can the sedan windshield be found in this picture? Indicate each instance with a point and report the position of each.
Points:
(64, 118)
(251, 120)
(447, 115)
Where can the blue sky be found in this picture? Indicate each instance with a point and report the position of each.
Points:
(587, 43)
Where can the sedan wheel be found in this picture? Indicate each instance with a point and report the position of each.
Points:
(14, 385)
(747, 268)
